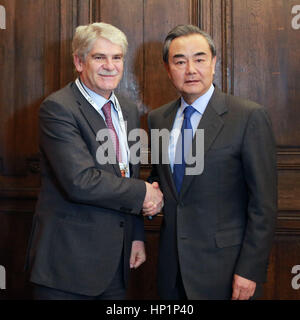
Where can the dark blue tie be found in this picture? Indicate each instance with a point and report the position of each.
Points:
(183, 147)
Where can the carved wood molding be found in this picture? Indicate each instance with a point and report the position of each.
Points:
(72, 14)
(32, 167)
(288, 158)
(215, 17)
(19, 193)
(94, 6)
(195, 13)
(288, 223)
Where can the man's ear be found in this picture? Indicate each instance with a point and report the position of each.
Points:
(167, 67)
(78, 63)
(214, 60)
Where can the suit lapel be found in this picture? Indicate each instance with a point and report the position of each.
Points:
(93, 118)
(212, 123)
(126, 114)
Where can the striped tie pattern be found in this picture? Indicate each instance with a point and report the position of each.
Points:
(108, 119)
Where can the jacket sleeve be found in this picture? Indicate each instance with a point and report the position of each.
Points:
(259, 164)
(75, 168)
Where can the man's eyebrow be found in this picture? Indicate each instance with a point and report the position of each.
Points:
(200, 54)
(104, 55)
(98, 54)
(178, 56)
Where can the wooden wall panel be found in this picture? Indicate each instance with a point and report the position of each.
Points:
(35, 61)
(267, 64)
(129, 18)
(38, 61)
(158, 22)
(15, 114)
(146, 23)
(216, 20)
(71, 14)
(289, 190)
(143, 281)
(257, 58)
(284, 256)
(15, 228)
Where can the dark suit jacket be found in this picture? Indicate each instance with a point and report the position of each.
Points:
(86, 214)
(222, 222)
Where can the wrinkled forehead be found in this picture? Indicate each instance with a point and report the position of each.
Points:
(105, 46)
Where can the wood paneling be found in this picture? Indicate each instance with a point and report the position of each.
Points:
(37, 62)
(267, 64)
(257, 52)
(16, 112)
(129, 19)
(146, 24)
(216, 19)
(264, 69)
(143, 281)
(36, 49)
(15, 228)
(285, 255)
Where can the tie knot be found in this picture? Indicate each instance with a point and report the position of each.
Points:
(107, 110)
(188, 111)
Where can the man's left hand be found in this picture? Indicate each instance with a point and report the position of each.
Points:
(243, 289)
(138, 254)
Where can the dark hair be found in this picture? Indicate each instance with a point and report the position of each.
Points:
(185, 30)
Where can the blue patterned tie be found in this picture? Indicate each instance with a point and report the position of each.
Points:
(182, 148)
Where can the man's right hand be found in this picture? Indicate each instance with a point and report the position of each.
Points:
(153, 202)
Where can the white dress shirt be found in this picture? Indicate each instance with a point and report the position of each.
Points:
(200, 105)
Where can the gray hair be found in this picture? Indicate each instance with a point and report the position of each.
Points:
(85, 36)
(185, 30)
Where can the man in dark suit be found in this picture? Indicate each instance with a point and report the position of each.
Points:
(218, 224)
(88, 228)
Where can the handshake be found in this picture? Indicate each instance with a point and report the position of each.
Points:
(153, 202)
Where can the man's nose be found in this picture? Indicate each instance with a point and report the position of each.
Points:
(109, 64)
(190, 67)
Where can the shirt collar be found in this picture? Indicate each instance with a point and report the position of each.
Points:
(201, 103)
(100, 100)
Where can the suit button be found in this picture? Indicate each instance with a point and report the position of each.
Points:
(180, 204)
(121, 224)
